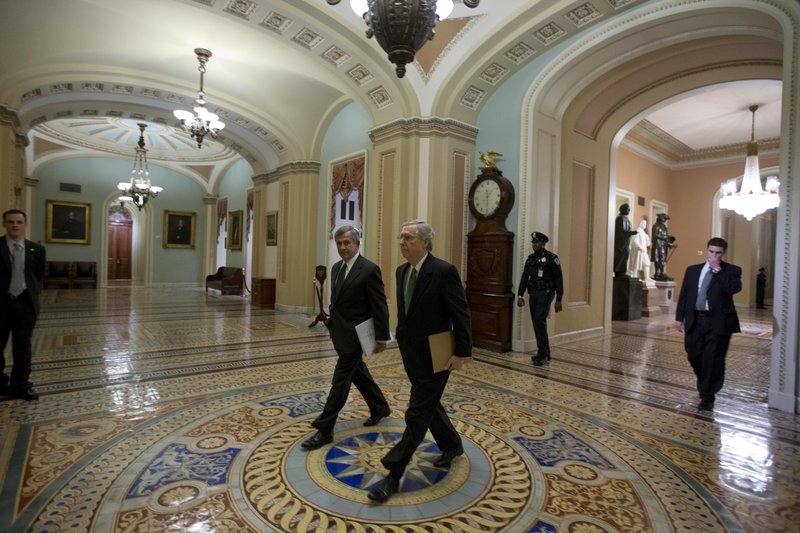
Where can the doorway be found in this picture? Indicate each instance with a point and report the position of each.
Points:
(120, 244)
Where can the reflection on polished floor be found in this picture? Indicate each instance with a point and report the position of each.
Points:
(173, 410)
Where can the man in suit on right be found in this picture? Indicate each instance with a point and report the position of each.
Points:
(707, 316)
(430, 299)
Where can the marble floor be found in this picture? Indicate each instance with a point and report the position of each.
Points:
(171, 409)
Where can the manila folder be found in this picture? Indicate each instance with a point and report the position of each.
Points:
(442, 347)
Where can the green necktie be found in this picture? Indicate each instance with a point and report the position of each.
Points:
(412, 280)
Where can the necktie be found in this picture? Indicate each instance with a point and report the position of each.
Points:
(340, 276)
(17, 272)
(702, 293)
(409, 293)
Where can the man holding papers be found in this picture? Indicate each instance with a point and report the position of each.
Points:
(430, 300)
(357, 295)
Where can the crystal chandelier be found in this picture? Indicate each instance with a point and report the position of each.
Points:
(139, 190)
(402, 27)
(751, 199)
(202, 122)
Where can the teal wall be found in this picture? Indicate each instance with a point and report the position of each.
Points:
(98, 178)
(234, 185)
(500, 122)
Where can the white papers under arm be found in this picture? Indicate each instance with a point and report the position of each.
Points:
(366, 336)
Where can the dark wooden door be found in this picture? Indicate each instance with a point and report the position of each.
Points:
(119, 249)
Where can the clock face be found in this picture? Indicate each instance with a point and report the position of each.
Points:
(487, 196)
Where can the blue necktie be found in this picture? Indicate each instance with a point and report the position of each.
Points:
(702, 293)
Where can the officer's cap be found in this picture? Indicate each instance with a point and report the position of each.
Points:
(540, 237)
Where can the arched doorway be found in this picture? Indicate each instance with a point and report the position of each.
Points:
(120, 244)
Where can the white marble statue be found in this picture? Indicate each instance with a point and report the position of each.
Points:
(639, 261)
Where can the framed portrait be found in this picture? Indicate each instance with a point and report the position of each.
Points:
(235, 230)
(272, 228)
(68, 222)
(179, 229)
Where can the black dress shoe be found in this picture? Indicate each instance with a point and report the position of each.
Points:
(539, 360)
(383, 489)
(317, 440)
(446, 458)
(374, 419)
(706, 405)
(28, 394)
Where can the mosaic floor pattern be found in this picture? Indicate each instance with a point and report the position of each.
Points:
(172, 410)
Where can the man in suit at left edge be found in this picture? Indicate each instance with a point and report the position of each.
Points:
(357, 294)
(22, 265)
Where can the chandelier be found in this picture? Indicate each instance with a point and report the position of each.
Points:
(402, 27)
(202, 122)
(139, 190)
(751, 199)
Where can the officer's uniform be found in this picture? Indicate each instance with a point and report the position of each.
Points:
(542, 278)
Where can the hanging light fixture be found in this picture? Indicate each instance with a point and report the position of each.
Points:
(751, 199)
(202, 122)
(402, 27)
(139, 190)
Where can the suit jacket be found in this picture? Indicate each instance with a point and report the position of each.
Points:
(438, 304)
(35, 261)
(360, 297)
(724, 284)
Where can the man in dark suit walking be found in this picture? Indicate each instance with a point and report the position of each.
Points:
(707, 315)
(22, 264)
(430, 299)
(357, 295)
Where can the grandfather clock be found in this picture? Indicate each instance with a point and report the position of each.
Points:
(490, 251)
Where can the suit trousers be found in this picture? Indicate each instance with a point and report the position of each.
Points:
(350, 369)
(17, 319)
(539, 302)
(425, 411)
(706, 352)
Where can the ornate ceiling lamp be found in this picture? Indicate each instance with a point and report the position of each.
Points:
(202, 122)
(139, 190)
(751, 199)
(402, 27)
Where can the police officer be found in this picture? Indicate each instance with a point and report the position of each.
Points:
(543, 280)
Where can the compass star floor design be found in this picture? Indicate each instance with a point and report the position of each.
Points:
(173, 410)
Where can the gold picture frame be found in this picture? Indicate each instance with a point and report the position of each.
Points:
(272, 228)
(68, 222)
(179, 229)
(235, 230)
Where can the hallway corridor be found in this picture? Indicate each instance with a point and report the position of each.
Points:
(166, 409)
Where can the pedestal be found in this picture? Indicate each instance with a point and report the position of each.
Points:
(264, 292)
(627, 299)
(666, 294)
(651, 301)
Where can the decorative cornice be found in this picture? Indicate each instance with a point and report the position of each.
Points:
(424, 126)
(291, 168)
(9, 117)
(651, 142)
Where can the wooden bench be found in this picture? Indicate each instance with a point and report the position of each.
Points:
(70, 274)
(227, 280)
